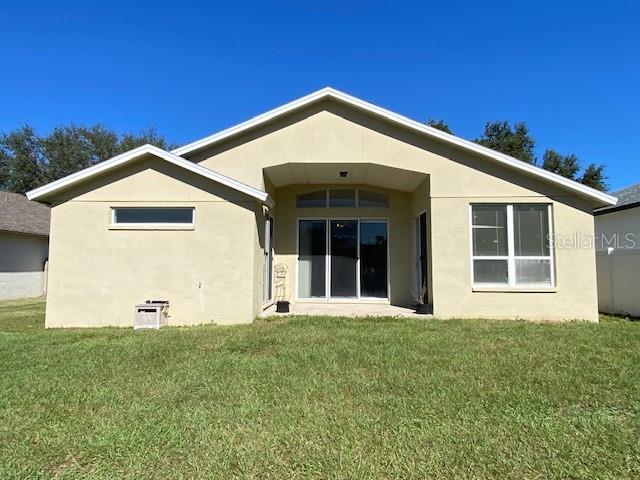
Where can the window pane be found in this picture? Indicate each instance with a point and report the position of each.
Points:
(372, 199)
(531, 230)
(490, 271)
(533, 271)
(312, 199)
(342, 198)
(373, 259)
(153, 215)
(312, 258)
(344, 257)
(489, 230)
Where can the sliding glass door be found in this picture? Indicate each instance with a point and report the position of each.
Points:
(373, 259)
(312, 257)
(342, 259)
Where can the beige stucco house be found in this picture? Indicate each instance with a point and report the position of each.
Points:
(325, 200)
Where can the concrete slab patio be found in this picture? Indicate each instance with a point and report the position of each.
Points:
(346, 310)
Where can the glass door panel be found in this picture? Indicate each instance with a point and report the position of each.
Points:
(373, 259)
(344, 258)
(312, 257)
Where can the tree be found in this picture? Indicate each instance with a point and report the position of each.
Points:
(516, 141)
(594, 177)
(69, 149)
(440, 125)
(150, 135)
(28, 160)
(105, 142)
(21, 160)
(569, 166)
(565, 165)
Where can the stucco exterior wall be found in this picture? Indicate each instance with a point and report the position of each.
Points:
(421, 202)
(618, 261)
(575, 295)
(258, 239)
(98, 274)
(330, 133)
(22, 259)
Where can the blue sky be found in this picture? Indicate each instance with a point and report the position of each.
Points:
(571, 70)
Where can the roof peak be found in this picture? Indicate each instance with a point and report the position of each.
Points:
(584, 191)
(136, 153)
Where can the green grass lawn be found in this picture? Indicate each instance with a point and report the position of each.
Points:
(319, 397)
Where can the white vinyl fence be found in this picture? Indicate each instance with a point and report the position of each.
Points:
(619, 281)
(21, 284)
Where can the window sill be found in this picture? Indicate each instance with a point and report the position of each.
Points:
(152, 226)
(507, 289)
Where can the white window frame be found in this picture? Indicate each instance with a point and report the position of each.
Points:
(511, 257)
(113, 225)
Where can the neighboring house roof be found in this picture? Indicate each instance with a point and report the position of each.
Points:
(135, 154)
(19, 215)
(628, 197)
(331, 94)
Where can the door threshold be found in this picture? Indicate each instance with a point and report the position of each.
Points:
(336, 301)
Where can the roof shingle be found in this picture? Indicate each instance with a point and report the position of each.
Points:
(17, 214)
(628, 197)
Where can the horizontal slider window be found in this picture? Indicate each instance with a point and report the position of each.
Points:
(153, 215)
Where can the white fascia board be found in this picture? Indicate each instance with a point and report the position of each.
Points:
(330, 93)
(133, 155)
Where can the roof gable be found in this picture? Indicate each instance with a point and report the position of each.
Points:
(596, 196)
(46, 191)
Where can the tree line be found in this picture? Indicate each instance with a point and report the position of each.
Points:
(517, 142)
(29, 160)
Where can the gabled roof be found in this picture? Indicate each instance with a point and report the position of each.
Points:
(135, 154)
(19, 215)
(628, 197)
(576, 188)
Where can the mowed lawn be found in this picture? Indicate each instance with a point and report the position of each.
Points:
(319, 397)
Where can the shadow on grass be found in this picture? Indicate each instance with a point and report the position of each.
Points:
(618, 317)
